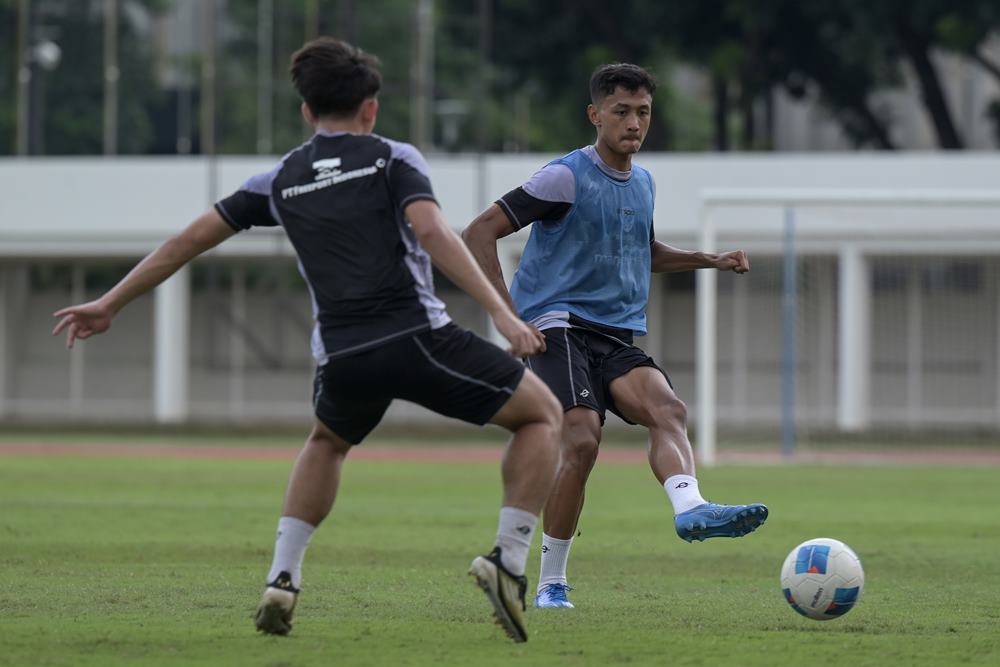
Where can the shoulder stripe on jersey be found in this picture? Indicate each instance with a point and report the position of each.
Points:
(553, 182)
(261, 183)
(407, 153)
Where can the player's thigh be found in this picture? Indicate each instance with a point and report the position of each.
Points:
(346, 402)
(457, 374)
(532, 402)
(642, 394)
(565, 367)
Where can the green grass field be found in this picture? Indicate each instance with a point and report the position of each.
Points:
(110, 561)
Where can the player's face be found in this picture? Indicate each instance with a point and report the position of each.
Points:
(622, 119)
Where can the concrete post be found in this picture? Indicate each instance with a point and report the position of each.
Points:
(705, 342)
(170, 372)
(854, 380)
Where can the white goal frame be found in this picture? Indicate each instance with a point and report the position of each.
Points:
(851, 408)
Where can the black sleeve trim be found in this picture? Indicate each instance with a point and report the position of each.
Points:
(522, 209)
(245, 209)
(510, 214)
(419, 196)
(226, 217)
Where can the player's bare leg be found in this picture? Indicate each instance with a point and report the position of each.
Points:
(315, 478)
(581, 436)
(644, 396)
(535, 419)
(312, 489)
(528, 469)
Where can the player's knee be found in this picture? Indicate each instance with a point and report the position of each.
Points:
(552, 414)
(329, 442)
(538, 413)
(666, 412)
(580, 448)
(671, 411)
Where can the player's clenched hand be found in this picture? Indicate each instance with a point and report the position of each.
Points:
(82, 321)
(735, 260)
(524, 338)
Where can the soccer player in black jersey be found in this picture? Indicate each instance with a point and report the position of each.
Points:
(360, 213)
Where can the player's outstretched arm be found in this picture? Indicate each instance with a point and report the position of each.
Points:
(455, 261)
(667, 259)
(481, 237)
(94, 317)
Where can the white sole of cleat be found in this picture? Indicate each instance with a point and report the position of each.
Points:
(274, 614)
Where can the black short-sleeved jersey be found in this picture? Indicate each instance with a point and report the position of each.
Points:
(340, 198)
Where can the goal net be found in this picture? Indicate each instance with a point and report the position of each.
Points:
(870, 316)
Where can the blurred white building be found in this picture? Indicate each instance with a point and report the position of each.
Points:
(228, 341)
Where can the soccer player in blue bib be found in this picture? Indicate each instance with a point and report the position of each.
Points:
(583, 280)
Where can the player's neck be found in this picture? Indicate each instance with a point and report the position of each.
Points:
(619, 161)
(332, 126)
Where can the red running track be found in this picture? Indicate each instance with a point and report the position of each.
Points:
(481, 454)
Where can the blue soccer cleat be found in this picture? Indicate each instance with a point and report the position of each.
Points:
(712, 520)
(553, 596)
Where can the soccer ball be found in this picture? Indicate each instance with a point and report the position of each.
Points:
(822, 579)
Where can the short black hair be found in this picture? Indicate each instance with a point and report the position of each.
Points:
(333, 77)
(606, 78)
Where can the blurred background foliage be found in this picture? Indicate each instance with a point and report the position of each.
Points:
(506, 75)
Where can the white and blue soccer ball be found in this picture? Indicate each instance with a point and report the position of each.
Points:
(822, 579)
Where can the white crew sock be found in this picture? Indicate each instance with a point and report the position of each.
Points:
(555, 553)
(514, 538)
(683, 492)
(290, 548)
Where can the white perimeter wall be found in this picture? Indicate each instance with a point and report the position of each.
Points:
(103, 207)
(52, 208)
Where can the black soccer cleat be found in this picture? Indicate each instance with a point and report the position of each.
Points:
(505, 592)
(274, 613)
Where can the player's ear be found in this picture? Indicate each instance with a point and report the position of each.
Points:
(369, 110)
(592, 114)
(308, 114)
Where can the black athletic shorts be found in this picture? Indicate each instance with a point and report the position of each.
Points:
(449, 370)
(580, 362)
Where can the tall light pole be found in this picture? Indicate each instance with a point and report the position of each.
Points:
(23, 75)
(485, 25)
(111, 75)
(310, 24)
(422, 77)
(265, 78)
(208, 79)
(36, 54)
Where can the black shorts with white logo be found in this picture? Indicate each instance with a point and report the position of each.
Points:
(449, 370)
(579, 363)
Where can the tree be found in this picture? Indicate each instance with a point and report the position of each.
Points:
(68, 101)
(965, 30)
